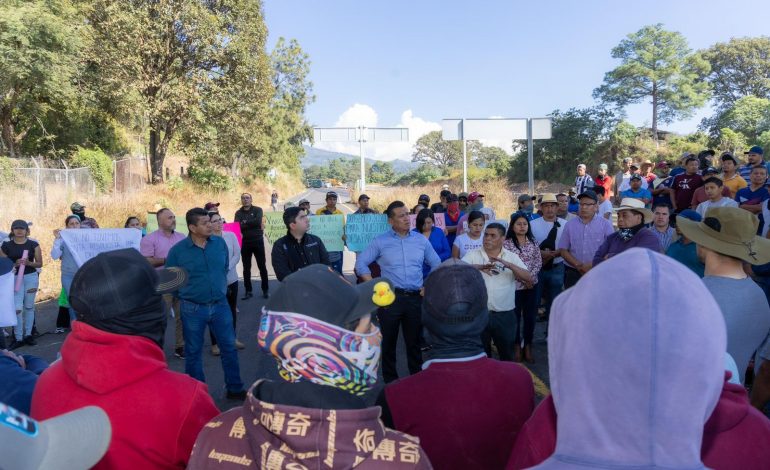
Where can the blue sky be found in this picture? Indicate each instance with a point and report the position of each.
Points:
(413, 63)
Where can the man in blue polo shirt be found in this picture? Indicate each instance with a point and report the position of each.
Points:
(203, 300)
(400, 253)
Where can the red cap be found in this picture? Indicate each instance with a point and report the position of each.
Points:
(473, 196)
(210, 205)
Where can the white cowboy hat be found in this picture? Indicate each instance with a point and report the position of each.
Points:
(629, 203)
(548, 198)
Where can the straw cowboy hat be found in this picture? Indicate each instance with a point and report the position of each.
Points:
(631, 204)
(729, 231)
(548, 198)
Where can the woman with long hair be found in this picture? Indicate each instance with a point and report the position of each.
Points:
(520, 241)
(16, 247)
(473, 238)
(425, 225)
(234, 252)
(69, 267)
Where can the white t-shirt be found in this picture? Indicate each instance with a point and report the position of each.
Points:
(501, 288)
(605, 207)
(541, 228)
(706, 205)
(488, 212)
(466, 243)
(626, 184)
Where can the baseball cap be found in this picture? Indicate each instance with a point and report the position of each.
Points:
(634, 165)
(75, 440)
(635, 177)
(628, 160)
(710, 170)
(728, 156)
(473, 196)
(77, 207)
(303, 201)
(445, 186)
(525, 198)
(686, 154)
(454, 282)
(114, 283)
(690, 215)
(363, 196)
(319, 292)
(463, 194)
(589, 194)
(755, 149)
(210, 205)
(603, 166)
(423, 197)
(18, 223)
(445, 193)
(663, 164)
(331, 194)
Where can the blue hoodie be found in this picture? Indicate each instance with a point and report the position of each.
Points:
(18, 383)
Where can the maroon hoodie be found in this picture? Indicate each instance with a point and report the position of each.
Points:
(272, 436)
(736, 436)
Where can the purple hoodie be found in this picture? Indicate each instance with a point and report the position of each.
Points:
(634, 387)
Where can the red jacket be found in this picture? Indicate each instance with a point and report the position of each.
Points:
(155, 413)
(735, 437)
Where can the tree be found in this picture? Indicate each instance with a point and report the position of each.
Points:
(657, 64)
(161, 58)
(493, 158)
(382, 172)
(731, 141)
(39, 46)
(739, 68)
(431, 149)
(748, 115)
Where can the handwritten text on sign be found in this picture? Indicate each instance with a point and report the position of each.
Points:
(85, 244)
(274, 226)
(329, 228)
(438, 221)
(361, 229)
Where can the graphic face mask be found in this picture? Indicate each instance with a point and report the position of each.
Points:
(310, 349)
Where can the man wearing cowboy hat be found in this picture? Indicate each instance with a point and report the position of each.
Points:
(632, 233)
(726, 238)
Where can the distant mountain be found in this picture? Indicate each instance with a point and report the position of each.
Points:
(316, 156)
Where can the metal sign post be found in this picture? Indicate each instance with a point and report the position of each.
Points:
(361, 134)
(498, 129)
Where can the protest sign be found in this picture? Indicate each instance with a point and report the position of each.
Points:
(274, 226)
(7, 308)
(235, 228)
(329, 228)
(361, 229)
(152, 224)
(85, 244)
(438, 221)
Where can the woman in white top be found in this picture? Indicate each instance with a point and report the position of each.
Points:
(234, 252)
(471, 239)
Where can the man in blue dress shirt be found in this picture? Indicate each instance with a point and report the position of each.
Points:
(400, 253)
(203, 300)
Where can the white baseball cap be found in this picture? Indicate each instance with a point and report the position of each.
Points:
(75, 440)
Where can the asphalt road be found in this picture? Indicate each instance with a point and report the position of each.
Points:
(254, 364)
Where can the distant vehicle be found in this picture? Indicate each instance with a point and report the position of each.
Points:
(315, 183)
(327, 184)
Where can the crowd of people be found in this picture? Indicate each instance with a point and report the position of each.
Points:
(653, 286)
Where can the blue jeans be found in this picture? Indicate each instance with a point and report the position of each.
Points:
(337, 265)
(549, 285)
(217, 316)
(24, 299)
(66, 283)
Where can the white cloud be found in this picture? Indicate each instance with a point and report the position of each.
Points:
(365, 115)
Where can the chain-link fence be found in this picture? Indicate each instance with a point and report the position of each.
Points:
(36, 187)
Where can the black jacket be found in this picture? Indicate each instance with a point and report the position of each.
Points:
(251, 223)
(289, 256)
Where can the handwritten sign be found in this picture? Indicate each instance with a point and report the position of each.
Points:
(274, 226)
(329, 228)
(85, 244)
(439, 221)
(7, 308)
(152, 224)
(361, 229)
(235, 228)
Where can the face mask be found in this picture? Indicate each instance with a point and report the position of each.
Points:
(313, 350)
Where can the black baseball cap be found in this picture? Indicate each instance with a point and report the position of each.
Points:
(18, 223)
(116, 283)
(423, 197)
(320, 292)
(589, 194)
(331, 194)
(454, 282)
(445, 193)
(635, 177)
(728, 156)
(363, 196)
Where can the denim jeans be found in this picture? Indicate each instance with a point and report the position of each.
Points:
(337, 264)
(502, 330)
(66, 284)
(217, 316)
(24, 301)
(549, 285)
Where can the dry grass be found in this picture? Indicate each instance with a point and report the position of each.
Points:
(112, 210)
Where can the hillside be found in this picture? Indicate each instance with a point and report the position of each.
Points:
(316, 156)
